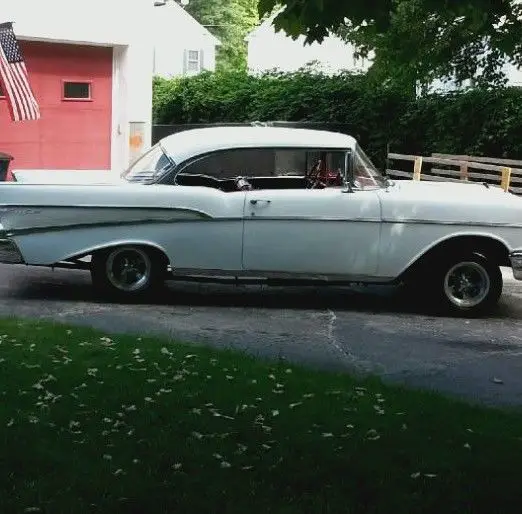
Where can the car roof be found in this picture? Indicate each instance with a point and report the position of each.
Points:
(190, 143)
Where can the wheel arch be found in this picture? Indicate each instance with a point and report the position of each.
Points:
(158, 249)
(487, 245)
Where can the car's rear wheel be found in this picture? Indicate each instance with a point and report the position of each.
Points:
(467, 284)
(127, 272)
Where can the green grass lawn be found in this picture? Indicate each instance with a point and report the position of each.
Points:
(90, 423)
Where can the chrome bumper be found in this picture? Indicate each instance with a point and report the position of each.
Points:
(516, 264)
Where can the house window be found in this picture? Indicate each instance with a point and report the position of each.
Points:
(73, 90)
(193, 61)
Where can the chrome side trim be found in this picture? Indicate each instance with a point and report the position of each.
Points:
(516, 264)
(9, 252)
(413, 221)
(80, 226)
(37, 209)
(310, 218)
(257, 275)
(404, 221)
(398, 221)
(199, 219)
(156, 221)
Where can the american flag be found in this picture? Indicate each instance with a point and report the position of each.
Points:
(14, 79)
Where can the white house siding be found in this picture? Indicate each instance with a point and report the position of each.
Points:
(270, 50)
(182, 46)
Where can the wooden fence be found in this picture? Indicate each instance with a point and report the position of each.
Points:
(506, 173)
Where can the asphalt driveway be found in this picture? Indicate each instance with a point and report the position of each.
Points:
(480, 359)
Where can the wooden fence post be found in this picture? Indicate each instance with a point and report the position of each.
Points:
(506, 178)
(464, 171)
(417, 168)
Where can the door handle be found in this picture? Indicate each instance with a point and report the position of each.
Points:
(255, 202)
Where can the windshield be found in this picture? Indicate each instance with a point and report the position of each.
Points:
(150, 167)
(365, 174)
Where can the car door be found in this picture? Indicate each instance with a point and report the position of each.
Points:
(312, 231)
(211, 236)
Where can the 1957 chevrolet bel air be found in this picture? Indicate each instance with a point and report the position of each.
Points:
(269, 204)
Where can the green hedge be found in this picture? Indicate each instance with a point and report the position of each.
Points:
(477, 122)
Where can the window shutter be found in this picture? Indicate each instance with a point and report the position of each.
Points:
(201, 60)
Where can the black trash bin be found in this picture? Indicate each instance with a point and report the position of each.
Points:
(5, 160)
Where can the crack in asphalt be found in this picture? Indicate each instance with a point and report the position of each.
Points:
(355, 362)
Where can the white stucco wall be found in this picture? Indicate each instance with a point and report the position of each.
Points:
(175, 32)
(513, 76)
(121, 24)
(269, 50)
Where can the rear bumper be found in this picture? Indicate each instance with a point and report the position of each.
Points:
(516, 264)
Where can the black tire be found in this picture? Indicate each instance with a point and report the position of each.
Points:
(110, 270)
(465, 284)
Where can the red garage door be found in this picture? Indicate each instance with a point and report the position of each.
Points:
(73, 86)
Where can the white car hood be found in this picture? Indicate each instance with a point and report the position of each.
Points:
(436, 187)
(450, 202)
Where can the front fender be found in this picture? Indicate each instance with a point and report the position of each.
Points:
(404, 244)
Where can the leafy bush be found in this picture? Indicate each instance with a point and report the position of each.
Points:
(477, 122)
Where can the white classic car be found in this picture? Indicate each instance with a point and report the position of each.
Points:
(278, 205)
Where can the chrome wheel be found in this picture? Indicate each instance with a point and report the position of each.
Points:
(467, 284)
(128, 268)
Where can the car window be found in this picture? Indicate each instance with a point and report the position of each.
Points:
(150, 167)
(263, 162)
(229, 164)
(365, 174)
(249, 162)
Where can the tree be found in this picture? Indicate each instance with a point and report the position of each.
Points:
(230, 21)
(415, 41)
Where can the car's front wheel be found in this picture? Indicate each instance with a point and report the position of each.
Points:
(467, 284)
(127, 272)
